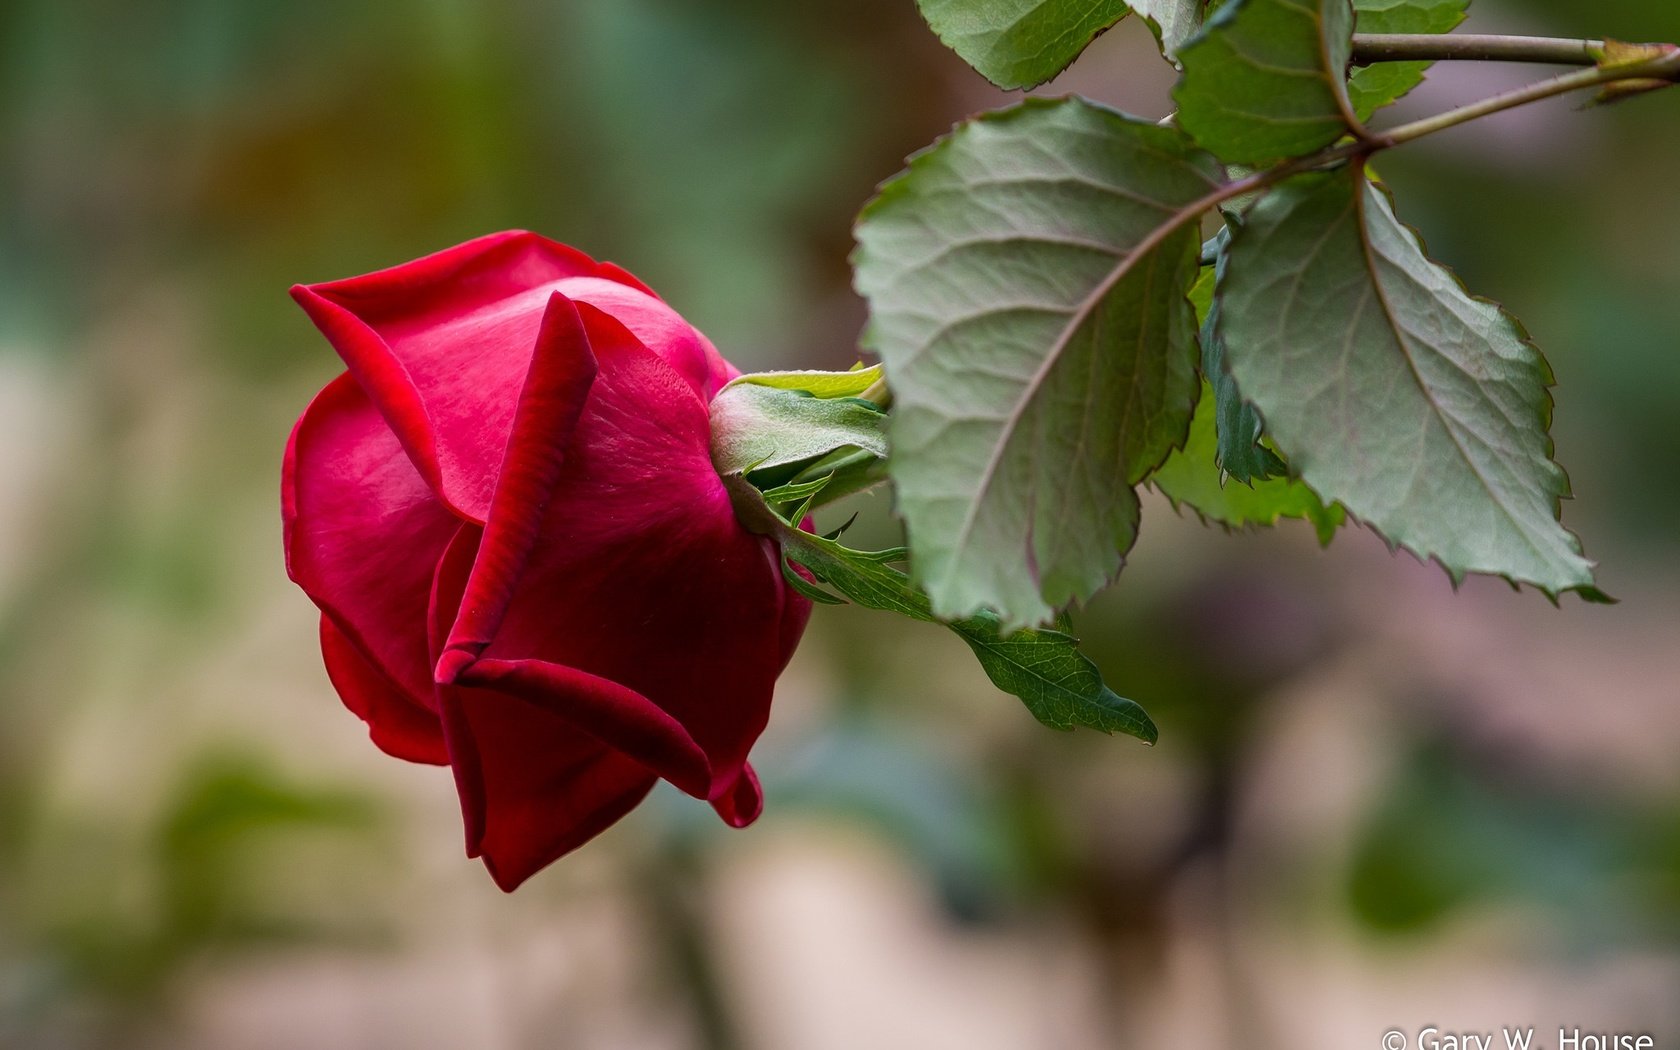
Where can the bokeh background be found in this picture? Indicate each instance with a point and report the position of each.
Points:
(1376, 803)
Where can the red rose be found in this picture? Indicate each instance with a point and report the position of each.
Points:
(527, 567)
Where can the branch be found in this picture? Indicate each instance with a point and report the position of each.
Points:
(1370, 48)
(1659, 67)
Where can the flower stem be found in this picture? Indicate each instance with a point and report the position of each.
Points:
(1370, 48)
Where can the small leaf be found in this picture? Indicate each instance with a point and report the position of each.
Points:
(1044, 668)
(1377, 85)
(1265, 80)
(1391, 390)
(1240, 453)
(1020, 43)
(1192, 477)
(758, 427)
(818, 384)
(1172, 21)
(1026, 281)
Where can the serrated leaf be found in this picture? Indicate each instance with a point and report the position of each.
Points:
(1264, 80)
(1372, 87)
(818, 384)
(1026, 282)
(1020, 43)
(1192, 477)
(1044, 668)
(758, 427)
(1172, 21)
(1391, 390)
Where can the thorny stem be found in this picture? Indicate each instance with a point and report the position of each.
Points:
(1662, 66)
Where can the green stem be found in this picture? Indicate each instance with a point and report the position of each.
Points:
(1664, 66)
(1370, 48)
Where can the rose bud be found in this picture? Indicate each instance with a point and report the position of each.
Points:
(527, 567)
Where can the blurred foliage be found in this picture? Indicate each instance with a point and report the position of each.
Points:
(110, 916)
(1457, 828)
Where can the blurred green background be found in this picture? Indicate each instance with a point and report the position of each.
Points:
(1376, 803)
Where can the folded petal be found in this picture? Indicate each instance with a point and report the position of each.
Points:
(397, 725)
(742, 802)
(442, 346)
(533, 785)
(561, 372)
(644, 577)
(621, 718)
(363, 532)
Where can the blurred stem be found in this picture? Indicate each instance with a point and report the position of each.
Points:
(1371, 48)
(671, 885)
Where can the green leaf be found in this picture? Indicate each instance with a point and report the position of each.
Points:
(1044, 668)
(1192, 477)
(817, 384)
(1264, 79)
(1172, 21)
(1391, 390)
(761, 427)
(1372, 87)
(1026, 282)
(1240, 453)
(1020, 43)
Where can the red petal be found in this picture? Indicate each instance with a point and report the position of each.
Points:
(443, 344)
(363, 532)
(543, 786)
(643, 575)
(395, 722)
(533, 786)
(742, 803)
(622, 718)
(562, 370)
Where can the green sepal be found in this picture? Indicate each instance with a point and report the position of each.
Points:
(806, 587)
(759, 427)
(850, 383)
